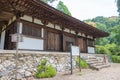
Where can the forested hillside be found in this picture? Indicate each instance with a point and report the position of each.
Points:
(110, 44)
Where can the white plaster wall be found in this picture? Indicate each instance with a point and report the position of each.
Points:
(91, 50)
(79, 34)
(50, 25)
(91, 37)
(57, 27)
(27, 18)
(31, 43)
(37, 21)
(67, 30)
(83, 35)
(73, 32)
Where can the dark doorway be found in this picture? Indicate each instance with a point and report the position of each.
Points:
(68, 46)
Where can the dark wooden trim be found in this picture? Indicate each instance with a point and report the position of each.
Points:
(33, 37)
(53, 30)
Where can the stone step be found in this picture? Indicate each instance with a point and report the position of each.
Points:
(102, 66)
(98, 67)
(97, 64)
(90, 60)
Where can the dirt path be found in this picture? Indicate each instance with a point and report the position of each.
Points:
(111, 73)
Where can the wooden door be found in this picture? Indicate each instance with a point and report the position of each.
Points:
(53, 41)
(80, 44)
(57, 42)
(50, 41)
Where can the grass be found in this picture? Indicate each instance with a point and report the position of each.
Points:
(83, 64)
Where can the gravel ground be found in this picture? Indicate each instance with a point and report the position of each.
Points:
(110, 73)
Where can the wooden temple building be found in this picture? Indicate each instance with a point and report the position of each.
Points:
(44, 28)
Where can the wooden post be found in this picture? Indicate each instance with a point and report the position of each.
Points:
(76, 39)
(86, 41)
(105, 58)
(16, 55)
(62, 39)
(18, 15)
(79, 61)
(76, 43)
(71, 60)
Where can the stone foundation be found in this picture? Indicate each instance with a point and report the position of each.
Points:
(29, 60)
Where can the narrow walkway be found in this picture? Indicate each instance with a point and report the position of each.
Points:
(111, 73)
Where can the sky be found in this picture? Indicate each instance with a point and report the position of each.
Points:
(88, 9)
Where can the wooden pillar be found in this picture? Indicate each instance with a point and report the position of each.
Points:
(18, 14)
(86, 43)
(62, 40)
(76, 39)
(44, 34)
(45, 38)
(94, 44)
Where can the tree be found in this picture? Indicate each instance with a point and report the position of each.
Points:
(116, 31)
(110, 25)
(100, 19)
(101, 26)
(62, 7)
(118, 5)
(46, 1)
(101, 41)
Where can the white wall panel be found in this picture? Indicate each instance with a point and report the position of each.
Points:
(27, 18)
(91, 50)
(31, 43)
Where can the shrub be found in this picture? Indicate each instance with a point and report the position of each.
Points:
(102, 50)
(111, 49)
(44, 70)
(115, 59)
(82, 64)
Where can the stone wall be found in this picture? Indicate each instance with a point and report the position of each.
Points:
(28, 61)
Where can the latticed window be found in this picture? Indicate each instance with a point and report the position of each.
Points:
(90, 43)
(31, 31)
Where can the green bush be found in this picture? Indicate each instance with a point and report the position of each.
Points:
(111, 49)
(44, 70)
(115, 59)
(83, 64)
(0, 76)
(102, 50)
